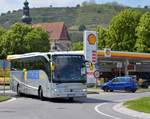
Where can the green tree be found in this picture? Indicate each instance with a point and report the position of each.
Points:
(22, 38)
(102, 37)
(37, 40)
(13, 40)
(3, 52)
(121, 35)
(143, 34)
(2, 31)
(77, 46)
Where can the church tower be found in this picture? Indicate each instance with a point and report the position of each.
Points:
(26, 13)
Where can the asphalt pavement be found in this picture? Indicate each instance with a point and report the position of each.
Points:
(95, 106)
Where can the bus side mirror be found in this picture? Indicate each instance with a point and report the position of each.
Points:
(83, 65)
(83, 69)
(24, 70)
(89, 64)
(52, 66)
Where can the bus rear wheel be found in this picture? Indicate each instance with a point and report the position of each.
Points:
(18, 90)
(40, 94)
(71, 99)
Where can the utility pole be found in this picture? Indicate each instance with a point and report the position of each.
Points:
(4, 75)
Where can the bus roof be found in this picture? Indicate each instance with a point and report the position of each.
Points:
(67, 53)
(19, 56)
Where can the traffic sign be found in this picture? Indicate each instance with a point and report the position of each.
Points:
(97, 74)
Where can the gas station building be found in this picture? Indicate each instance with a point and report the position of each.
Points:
(116, 63)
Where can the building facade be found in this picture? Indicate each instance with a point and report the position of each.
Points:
(58, 35)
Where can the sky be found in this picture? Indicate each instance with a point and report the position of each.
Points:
(6, 5)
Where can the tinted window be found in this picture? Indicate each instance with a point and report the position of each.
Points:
(119, 79)
(127, 79)
(31, 63)
(68, 68)
(122, 79)
(116, 80)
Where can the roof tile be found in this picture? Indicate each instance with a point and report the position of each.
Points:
(56, 30)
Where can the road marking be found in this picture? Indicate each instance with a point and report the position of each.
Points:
(8, 101)
(102, 113)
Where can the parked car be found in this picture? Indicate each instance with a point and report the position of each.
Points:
(120, 83)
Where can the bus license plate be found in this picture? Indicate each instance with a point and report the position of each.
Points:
(70, 95)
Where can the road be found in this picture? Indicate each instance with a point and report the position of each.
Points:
(96, 106)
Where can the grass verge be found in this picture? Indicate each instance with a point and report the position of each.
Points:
(93, 90)
(98, 90)
(141, 104)
(141, 90)
(4, 98)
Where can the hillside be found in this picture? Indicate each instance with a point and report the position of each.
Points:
(89, 15)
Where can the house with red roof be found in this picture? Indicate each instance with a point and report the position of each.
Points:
(58, 35)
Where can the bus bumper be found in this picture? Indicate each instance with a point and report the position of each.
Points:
(71, 94)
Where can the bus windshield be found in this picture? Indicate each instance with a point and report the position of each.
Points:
(68, 68)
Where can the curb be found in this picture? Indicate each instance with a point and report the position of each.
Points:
(7, 101)
(92, 92)
(122, 109)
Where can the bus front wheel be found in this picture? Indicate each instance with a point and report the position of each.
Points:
(40, 94)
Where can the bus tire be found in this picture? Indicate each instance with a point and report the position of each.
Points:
(18, 90)
(40, 93)
(71, 99)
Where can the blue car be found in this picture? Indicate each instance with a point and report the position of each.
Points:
(120, 83)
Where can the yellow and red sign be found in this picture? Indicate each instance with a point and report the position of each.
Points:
(90, 52)
(92, 39)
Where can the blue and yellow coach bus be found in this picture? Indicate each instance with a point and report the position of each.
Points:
(56, 74)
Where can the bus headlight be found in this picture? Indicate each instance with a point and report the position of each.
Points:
(84, 90)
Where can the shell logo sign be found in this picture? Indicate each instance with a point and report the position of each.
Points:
(92, 39)
(90, 52)
(107, 52)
